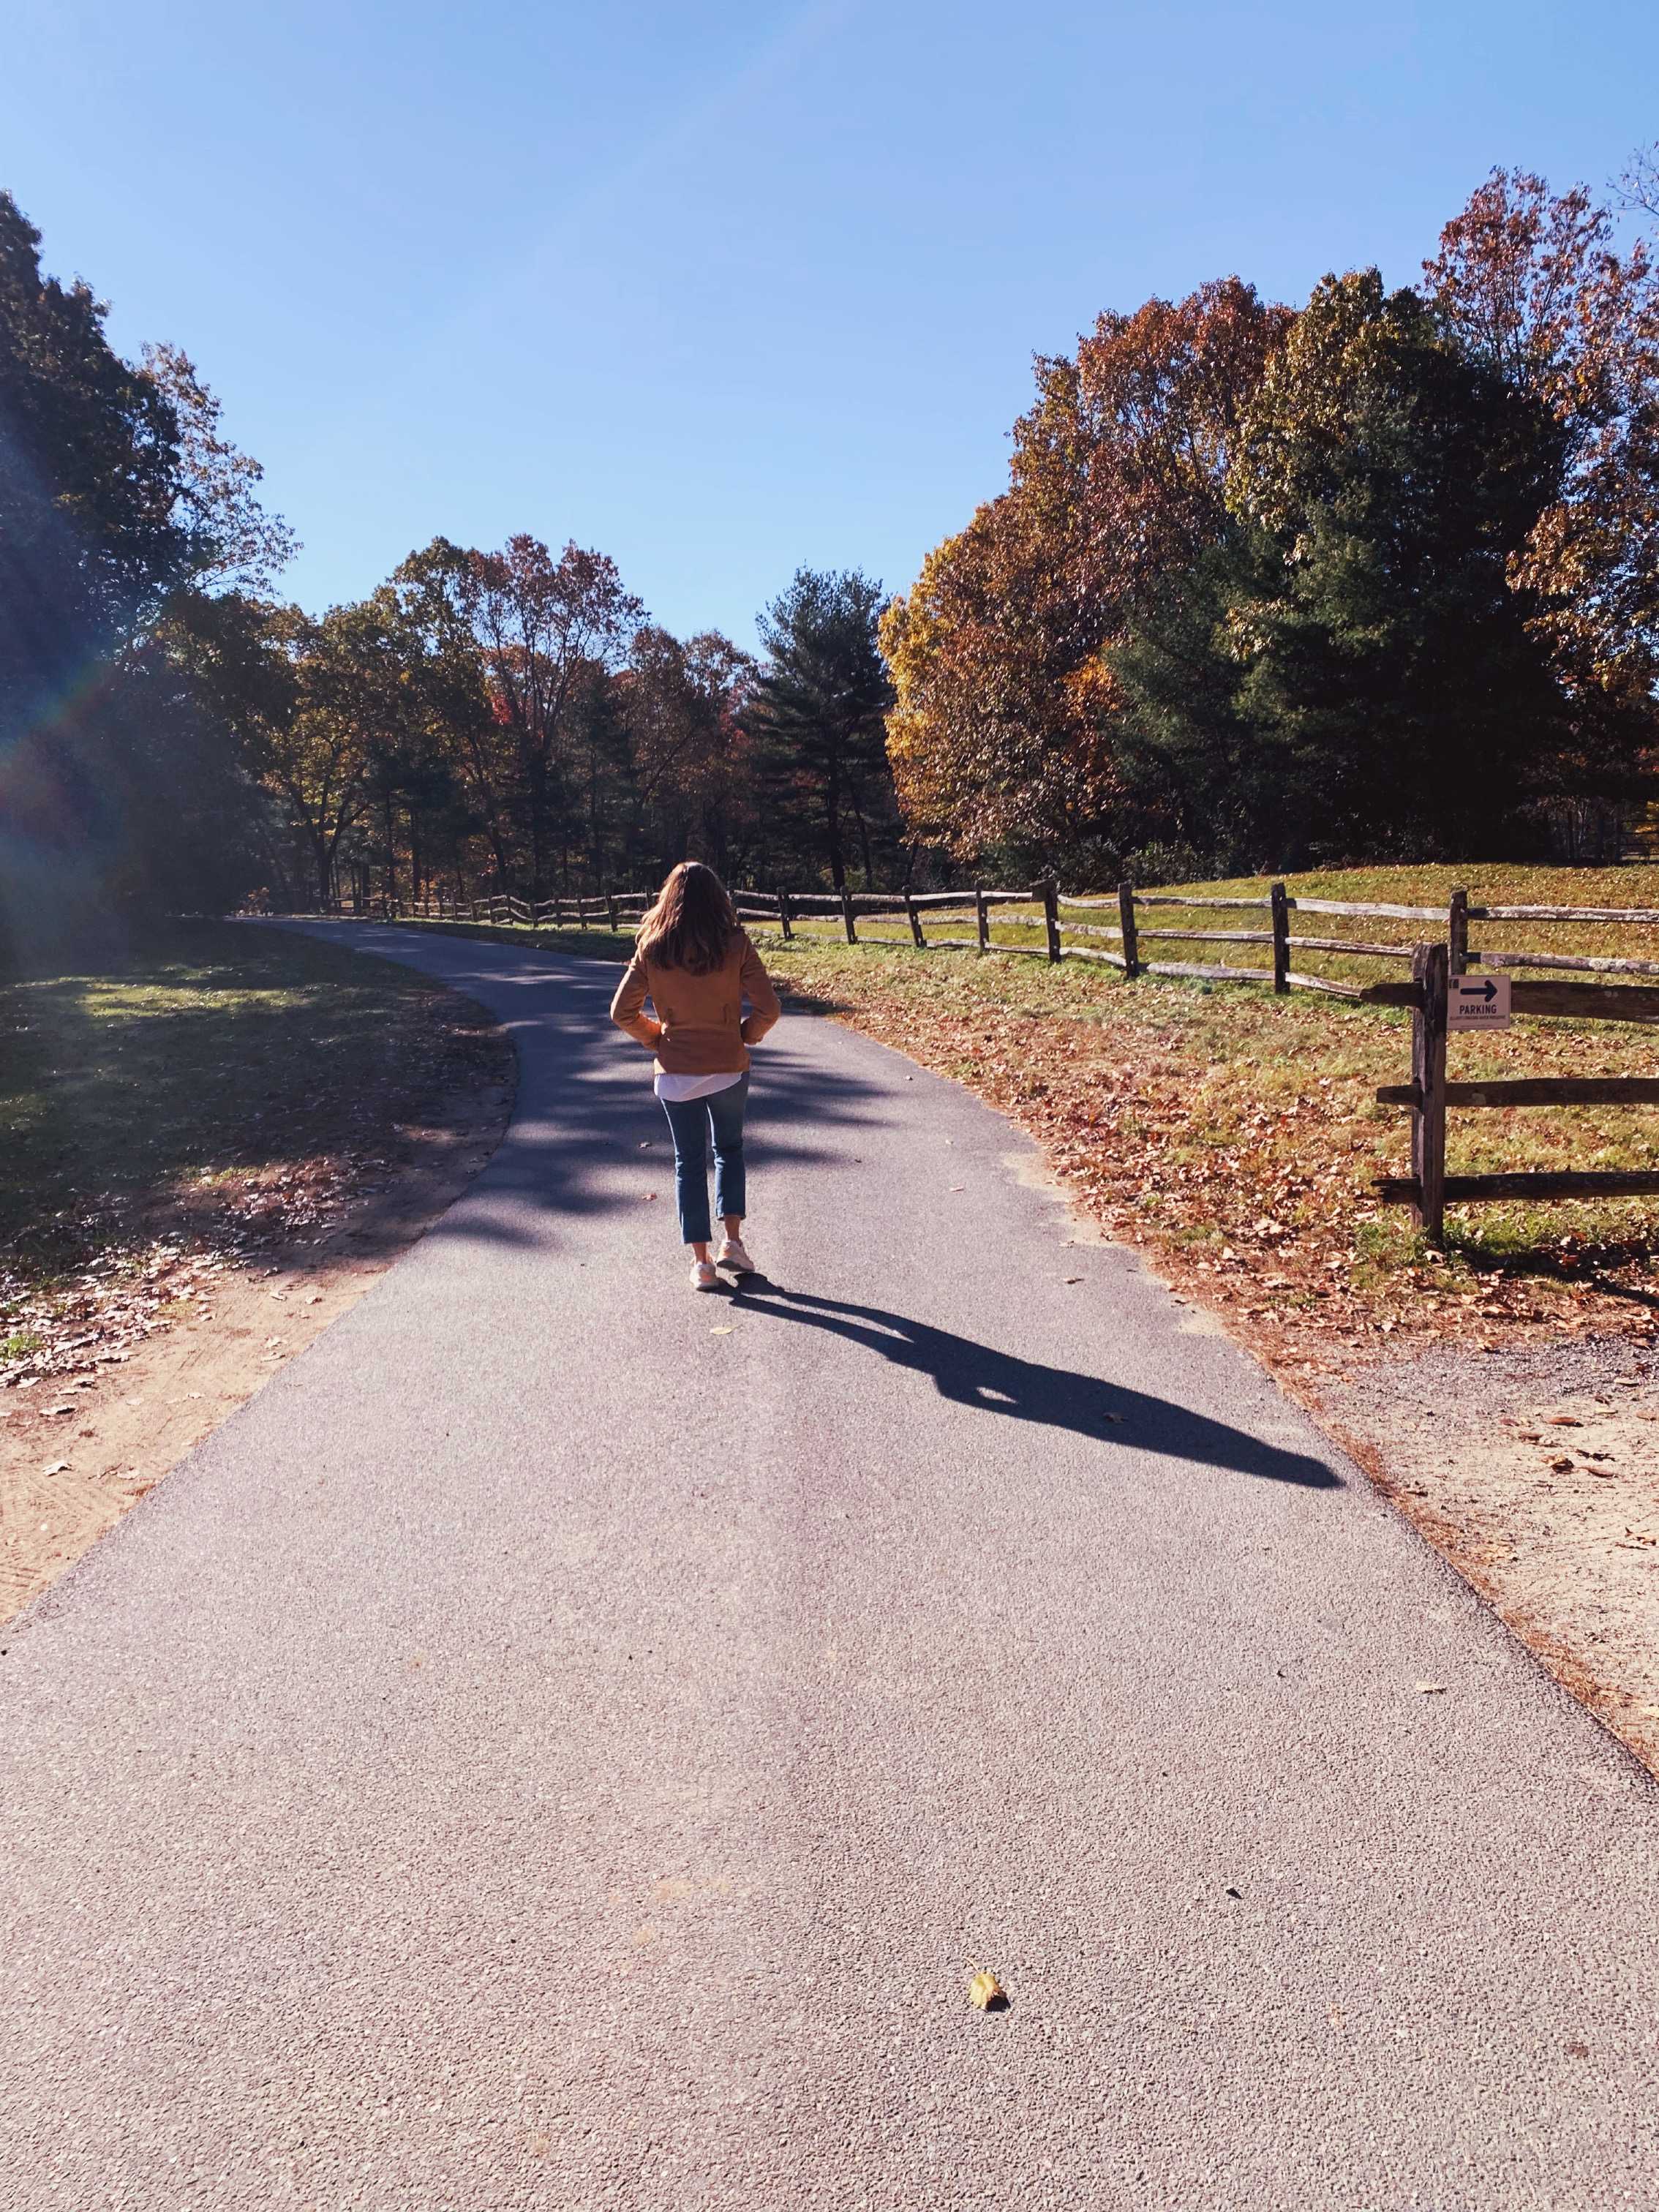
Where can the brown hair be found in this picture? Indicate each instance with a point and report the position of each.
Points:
(692, 924)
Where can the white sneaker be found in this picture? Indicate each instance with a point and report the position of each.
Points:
(733, 1255)
(703, 1277)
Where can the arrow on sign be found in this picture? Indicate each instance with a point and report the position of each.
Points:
(1485, 988)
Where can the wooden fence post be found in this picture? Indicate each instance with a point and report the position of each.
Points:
(1047, 894)
(1457, 934)
(1281, 939)
(981, 919)
(783, 915)
(1429, 971)
(847, 915)
(1126, 915)
(611, 909)
(916, 922)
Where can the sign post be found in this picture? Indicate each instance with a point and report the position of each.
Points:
(1477, 1002)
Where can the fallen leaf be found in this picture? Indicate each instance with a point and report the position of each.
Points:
(1561, 1466)
(720, 1332)
(58, 1467)
(987, 1992)
(1074, 1279)
(1431, 1689)
(1563, 1420)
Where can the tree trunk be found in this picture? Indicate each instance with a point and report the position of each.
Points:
(537, 782)
(832, 829)
(864, 844)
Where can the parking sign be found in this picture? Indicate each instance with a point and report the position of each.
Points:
(1477, 1002)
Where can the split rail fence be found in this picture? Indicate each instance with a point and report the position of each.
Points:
(1564, 992)
(1139, 923)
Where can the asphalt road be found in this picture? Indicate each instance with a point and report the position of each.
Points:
(565, 1742)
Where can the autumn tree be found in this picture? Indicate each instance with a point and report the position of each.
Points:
(289, 689)
(92, 540)
(543, 625)
(691, 786)
(1349, 671)
(640, 727)
(1004, 734)
(435, 590)
(369, 670)
(1531, 286)
(1638, 187)
(1366, 666)
(236, 543)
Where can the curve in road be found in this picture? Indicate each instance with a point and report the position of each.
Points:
(566, 1743)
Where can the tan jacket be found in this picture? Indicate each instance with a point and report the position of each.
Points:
(700, 1028)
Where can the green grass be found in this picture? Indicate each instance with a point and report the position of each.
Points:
(217, 1051)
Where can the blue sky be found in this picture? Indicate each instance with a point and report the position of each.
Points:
(726, 289)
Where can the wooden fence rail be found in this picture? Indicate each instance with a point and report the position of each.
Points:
(1057, 932)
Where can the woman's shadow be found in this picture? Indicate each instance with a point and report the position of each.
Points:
(992, 1381)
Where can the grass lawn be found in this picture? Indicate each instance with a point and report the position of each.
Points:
(223, 1083)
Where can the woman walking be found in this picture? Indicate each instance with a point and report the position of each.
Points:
(693, 961)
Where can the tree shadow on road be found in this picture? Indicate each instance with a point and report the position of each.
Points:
(979, 1377)
(588, 1136)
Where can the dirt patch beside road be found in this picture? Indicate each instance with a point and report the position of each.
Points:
(1534, 1468)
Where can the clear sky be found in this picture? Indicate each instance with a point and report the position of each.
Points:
(727, 289)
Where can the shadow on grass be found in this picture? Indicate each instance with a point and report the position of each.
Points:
(206, 1050)
(1605, 1265)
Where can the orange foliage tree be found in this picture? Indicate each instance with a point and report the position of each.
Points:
(1002, 736)
(1532, 284)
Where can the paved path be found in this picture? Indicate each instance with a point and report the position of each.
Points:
(546, 1750)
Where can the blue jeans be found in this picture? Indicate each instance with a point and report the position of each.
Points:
(690, 1121)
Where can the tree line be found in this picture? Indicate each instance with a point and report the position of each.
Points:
(512, 720)
(1378, 578)
(173, 735)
